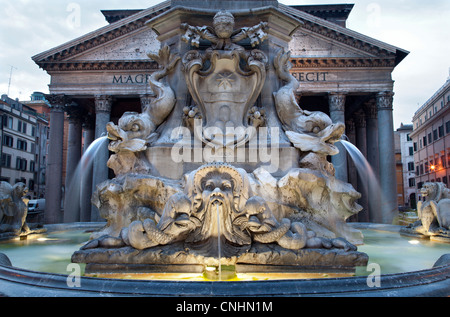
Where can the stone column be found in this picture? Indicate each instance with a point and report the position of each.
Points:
(72, 193)
(86, 177)
(351, 136)
(388, 180)
(373, 158)
(103, 106)
(53, 187)
(337, 114)
(362, 183)
(146, 100)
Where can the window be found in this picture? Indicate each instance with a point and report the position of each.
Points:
(22, 145)
(19, 126)
(6, 160)
(421, 169)
(435, 135)
(412, 182)
(411, 151)
(411, 166)
(441, 131)
(430, 140)
(447, 127)
(427, 167)
(417, 170)
(24, 127)
(33, 131)
(31, 184)
(424, 141)
(32, 166)
(10, 123)
(8, 140)
(408, 138)
(21, 164)
(415, 146)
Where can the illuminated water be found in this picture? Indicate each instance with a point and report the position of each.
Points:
(393, 253)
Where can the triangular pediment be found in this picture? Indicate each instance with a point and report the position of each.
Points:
(135, 46)
(308, 44)
(129, 39)
(321, 38)
(124, 34)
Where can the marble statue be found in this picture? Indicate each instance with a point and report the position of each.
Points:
(434, 212)
(136, 131)
(219, 213)
(309, 131)
(14, 210)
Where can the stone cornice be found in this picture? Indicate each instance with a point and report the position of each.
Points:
(318, 62)
(100, 65)
(297, 63)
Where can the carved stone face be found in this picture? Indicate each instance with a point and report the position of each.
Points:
(428, 189)
(217, 189)
(224, 25)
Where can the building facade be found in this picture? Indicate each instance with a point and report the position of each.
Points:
(23, 134)
(431, 139)
(407, 170)
(341, 72)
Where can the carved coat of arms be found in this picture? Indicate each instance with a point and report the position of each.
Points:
(225, 80)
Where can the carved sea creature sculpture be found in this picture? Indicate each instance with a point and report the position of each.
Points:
(308, 131)
(136, 130)
(175, 224)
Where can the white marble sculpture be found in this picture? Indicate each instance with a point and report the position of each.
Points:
(218, 210)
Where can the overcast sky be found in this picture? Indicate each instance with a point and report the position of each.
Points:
(29, 27)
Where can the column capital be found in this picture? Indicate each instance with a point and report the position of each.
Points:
(370, 108)
(57, 101)
(337, 101)
(360, 120)
(349, 126)
(74, 112)
(89, 121)
(146, 100)
(385, 100)
(103, 103)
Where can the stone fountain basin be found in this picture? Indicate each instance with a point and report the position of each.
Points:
(434, 282)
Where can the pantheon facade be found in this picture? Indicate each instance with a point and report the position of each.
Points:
(98, 77)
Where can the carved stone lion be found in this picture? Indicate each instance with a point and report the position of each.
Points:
(434, 213)
(13, 210)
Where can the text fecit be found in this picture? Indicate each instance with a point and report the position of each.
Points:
(311, 76)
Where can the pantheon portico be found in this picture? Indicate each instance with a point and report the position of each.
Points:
(98, 77)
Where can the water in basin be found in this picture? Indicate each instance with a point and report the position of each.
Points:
(393, 253)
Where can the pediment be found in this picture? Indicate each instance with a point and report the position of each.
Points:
(130, 40)
(134, 46)
(308, 44)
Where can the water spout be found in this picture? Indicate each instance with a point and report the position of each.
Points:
(75, 188)
(219, 248)
(368, 179)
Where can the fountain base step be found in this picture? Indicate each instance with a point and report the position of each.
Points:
(262, 258)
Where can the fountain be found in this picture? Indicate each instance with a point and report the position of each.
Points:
(224, 174)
